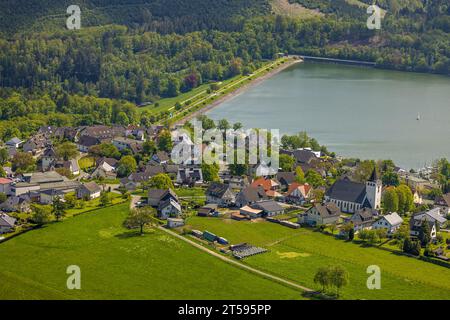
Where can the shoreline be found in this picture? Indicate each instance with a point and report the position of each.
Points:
(238, 91)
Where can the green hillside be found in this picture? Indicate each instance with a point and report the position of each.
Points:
(166, 16)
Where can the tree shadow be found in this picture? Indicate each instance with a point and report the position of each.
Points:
(129, 234)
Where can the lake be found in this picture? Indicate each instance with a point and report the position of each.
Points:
(355, 111)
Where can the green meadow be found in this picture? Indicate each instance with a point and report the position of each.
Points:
(117, 264)
(297, 254)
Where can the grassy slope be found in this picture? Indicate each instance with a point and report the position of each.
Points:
(297, 254)
(116, 265)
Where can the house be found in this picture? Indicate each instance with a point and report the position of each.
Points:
(7, 223)
(156, 196)
(16, 204)
(270, 208)
(301, 156)
(49, 196)
(416, 225)
(128, 144)
(161, 157)
(251, 213)
(363, 219)
(136, 132)
(352, 196)
(209, 210)
(71, 165)
(36, 144)
(321, 214)
(220, 194)
(298, 193)
(5, 185)
(49, 159)
(433, 215)
(390, 222)
(266, 184)
(86, 142)
(285, 179)
(189, 175)
(102, 132)
(250, 195)
(111, 162)
(169, 208)
(14, 143)
(106, 168)
(443, 203)
(89, 190)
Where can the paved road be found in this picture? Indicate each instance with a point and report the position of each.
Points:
(238, 264)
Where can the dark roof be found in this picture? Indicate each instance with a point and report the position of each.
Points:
(217, 189)
(161, 194)
(374, 177)
(327, 210)
(153, 170)
(251, 194)
(162, 156)
(6, 220)
(286, 177)
(347, 190)
(268, 206)
(88, 141)
(91, 187)
(300, 156)
(444, 200)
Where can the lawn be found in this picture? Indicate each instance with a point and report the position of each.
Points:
(297, 254)
(86, 162)
(117, 264)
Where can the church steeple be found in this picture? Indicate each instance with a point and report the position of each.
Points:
(374, 177)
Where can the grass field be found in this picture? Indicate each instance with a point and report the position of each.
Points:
(297, 254)
(117, 264)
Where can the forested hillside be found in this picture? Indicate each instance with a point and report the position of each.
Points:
(160, 48)
(160, 15)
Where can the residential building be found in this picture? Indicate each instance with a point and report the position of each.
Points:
(48, 196)
(321, 214)
(270, 208)
(86, 142)
(156, 196)
(433, 215)
(250, 195)
(5, 186)
(443, 203)
(391, 222)
(416, 227)
(89, 190)
(169, 208)
(122, 144)
(220, 194)
(363, 219)
(189, 175)
(298, 193)
(14, 143)
(7, 223)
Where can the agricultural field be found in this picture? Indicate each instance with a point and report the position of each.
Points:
(297, 254)
(117, 264)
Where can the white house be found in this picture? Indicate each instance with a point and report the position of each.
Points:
(169, 208)
(321, 214)
(390, 222)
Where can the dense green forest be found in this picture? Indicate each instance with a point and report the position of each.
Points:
(142, 50)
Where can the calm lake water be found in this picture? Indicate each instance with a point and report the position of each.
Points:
(354, 111)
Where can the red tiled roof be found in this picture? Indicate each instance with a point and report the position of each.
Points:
(5, 181)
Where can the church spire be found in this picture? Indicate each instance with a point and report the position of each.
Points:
(374, 177)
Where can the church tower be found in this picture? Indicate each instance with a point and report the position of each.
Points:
(374, 188)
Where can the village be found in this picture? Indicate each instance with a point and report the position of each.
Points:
(60, 172)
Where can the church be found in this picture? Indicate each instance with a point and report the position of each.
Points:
(352, 196)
